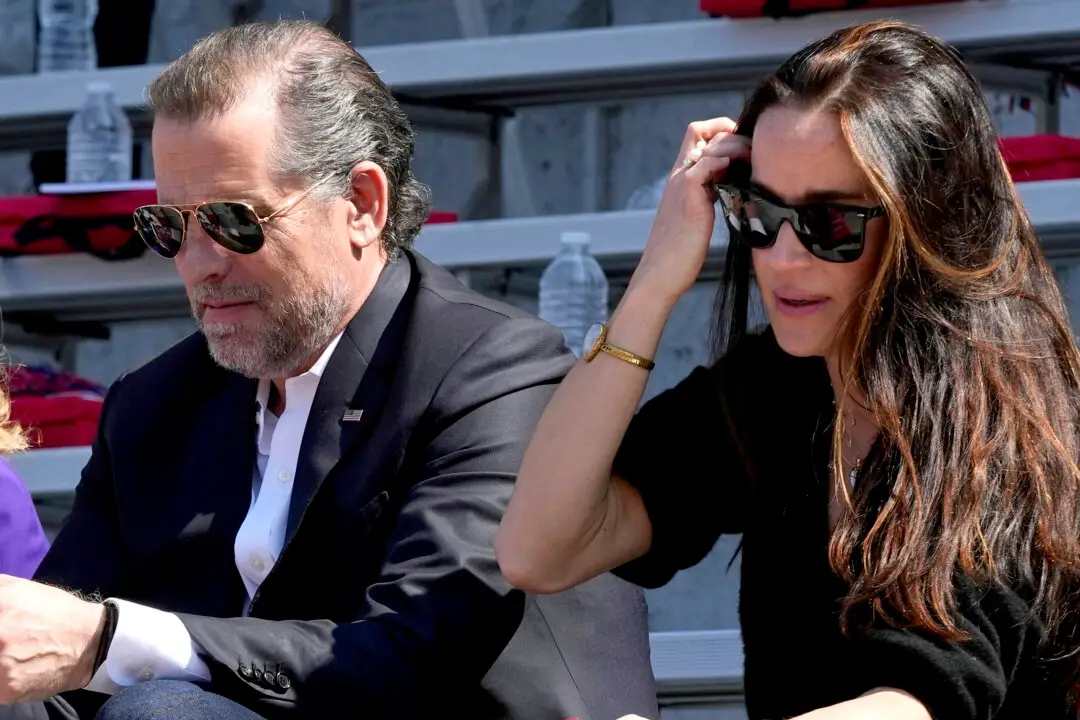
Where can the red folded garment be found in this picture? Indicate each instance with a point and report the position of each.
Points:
(57, 408)
(793, 8)
(1041, 157)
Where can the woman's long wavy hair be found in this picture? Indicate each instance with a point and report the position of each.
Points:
(961, 345)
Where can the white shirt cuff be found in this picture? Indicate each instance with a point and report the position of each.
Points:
(148, 645)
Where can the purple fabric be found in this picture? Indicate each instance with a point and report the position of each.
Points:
(22, 541)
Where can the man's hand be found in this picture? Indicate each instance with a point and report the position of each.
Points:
(48, 640)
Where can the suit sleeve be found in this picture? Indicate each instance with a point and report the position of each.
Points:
(441, 612)
(85, 556)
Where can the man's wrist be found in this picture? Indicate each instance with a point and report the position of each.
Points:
(99, 636)
(108, 629)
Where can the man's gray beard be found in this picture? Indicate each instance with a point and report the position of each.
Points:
(297, 330)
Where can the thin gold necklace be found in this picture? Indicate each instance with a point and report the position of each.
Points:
(853, 474)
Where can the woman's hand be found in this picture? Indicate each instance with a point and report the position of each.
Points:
(679, 240)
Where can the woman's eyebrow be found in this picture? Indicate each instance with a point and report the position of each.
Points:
(814, 196)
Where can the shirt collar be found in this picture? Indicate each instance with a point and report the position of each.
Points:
(312, 376)
(365, 329)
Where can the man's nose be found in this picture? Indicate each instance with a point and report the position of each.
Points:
(200, 257)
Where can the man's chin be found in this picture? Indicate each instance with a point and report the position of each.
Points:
(230, 335)
(236, 353)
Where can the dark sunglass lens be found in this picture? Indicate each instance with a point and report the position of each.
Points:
(834, 234)
(232, 225)
(161, 228)
(744, 218)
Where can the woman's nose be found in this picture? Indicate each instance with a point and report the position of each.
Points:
(788, 250)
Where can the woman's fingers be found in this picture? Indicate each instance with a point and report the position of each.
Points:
(730, 146)
(708, 170)
(727, 145)
(699, 134)
(708, 129)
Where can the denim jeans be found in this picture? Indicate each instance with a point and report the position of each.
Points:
(171, 700)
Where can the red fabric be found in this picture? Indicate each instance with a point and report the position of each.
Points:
(57, 421)
(57, 408)
(47, 224)
(779, 8)
(1041, 157)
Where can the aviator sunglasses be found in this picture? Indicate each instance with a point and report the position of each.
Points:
(831, 232)
(235, 226)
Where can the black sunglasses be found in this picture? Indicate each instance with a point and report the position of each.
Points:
(235, 226)
(830, 232)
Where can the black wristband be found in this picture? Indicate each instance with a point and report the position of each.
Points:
(112, 613)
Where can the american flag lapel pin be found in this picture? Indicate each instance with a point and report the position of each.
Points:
(352, 415)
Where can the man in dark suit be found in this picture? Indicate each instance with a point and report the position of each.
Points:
(292, 512)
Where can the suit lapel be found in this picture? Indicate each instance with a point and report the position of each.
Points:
(227, 435)
(353, 387)
(214, 490)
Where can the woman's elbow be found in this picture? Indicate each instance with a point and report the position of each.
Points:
(524, 570)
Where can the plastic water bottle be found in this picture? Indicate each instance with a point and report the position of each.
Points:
(574, 290)
(99, 139)
(66, 38)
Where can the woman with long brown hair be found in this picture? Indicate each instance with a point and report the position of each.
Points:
(898, 448)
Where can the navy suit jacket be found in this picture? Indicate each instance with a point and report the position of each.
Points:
(387, 599)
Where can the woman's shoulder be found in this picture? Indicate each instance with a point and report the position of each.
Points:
(15, 499)
(22, 541)
(11, 485)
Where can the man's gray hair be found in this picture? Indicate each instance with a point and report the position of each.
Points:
(333, 110)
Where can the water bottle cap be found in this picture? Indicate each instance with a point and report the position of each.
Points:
(575, 237)
(98, 87)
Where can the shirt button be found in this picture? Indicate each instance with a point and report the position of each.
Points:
(258, 564)
(147, 674)
(284, 476)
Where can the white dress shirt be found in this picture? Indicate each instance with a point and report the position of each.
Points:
(152, 644)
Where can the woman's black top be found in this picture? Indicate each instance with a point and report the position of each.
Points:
(691, 469)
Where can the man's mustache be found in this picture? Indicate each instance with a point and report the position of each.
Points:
(227, 292)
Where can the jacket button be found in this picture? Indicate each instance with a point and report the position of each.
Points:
(245, 671)
(283, 681)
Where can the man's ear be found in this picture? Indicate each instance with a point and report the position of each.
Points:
(367, 204)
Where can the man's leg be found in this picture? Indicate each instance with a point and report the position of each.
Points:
(24, 711)
(171, 700)
(52, 709)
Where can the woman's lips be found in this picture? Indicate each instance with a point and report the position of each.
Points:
(798, 304)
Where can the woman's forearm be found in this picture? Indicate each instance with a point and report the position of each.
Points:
(568, 520)
(877, 704)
